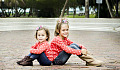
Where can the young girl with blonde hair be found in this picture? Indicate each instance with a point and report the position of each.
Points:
(62, 47)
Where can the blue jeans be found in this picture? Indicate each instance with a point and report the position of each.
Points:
(62, 58)
(41, 58)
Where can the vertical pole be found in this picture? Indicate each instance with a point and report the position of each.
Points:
(98, 10)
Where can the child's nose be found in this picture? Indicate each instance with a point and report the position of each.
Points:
(66, 31)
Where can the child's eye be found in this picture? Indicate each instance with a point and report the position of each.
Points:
(66, 29)
(43, 35)
(63, 30)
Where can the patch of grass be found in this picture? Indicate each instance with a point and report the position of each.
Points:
(83, 16)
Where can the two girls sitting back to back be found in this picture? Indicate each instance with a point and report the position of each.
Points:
(60, 48)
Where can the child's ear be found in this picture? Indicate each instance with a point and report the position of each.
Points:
(57, 31)
(46, 38)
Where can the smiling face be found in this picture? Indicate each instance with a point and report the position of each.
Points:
(41, 36)
(64, 31)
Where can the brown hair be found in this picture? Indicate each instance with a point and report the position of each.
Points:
(46, 30)
(58, 26)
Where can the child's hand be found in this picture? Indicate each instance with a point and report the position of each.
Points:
(84, 51)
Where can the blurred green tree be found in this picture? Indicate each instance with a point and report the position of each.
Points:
(52, 8)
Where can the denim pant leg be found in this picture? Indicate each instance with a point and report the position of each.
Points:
(62, 58)
(34, 56)
(76, 45)
(43, 60)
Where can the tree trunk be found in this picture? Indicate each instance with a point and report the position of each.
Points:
(110, 11)
(31, 12)
(74, 13)
(67, 10)
(8, 15)
(116, 8)
(15, 9)
(2, 6)
(24, 11)
(86, 8)
(63, 9)
(12, 11)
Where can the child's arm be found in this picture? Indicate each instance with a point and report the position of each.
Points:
(81, 46)
(40, 49)
(70, 42)
(34, 46)
(83, 49)
(59, 43)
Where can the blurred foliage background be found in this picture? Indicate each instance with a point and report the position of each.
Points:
(53, 8)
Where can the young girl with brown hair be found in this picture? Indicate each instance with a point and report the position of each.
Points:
(38, 51)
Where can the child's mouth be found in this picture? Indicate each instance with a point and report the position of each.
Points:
(40, 39)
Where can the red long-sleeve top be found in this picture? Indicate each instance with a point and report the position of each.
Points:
(38, 48)
(58, 45)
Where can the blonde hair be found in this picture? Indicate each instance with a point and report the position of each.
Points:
(59, 24)
(46, 30)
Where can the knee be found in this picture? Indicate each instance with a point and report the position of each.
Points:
(73, 44)
(74, 47)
